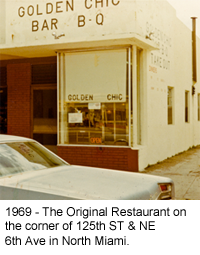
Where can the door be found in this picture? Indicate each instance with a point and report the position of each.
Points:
(44, 116)
(3, 110)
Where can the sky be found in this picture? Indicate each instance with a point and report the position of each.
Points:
(185, 9)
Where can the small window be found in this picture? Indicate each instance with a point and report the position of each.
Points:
(170, 105)
(187, 106)
(198, 107)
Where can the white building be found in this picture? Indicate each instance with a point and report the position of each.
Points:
(124, 80)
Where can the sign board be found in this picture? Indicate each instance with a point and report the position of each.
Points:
(95, 76)
(75, 118)
(94, 106)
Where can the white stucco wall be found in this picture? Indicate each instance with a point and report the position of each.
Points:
(33, 22)
(164, 140)
(2, 21)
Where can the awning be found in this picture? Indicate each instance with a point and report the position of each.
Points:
(48, 50)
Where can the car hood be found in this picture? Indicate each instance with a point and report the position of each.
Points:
(77, 182)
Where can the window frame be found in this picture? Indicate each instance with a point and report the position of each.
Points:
(169, 88)
(187, 107)
(128, 88)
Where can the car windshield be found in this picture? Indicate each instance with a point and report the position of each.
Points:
(16, 157)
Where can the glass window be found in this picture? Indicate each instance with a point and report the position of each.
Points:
(170, 103)
(93, 98)
(186, 106)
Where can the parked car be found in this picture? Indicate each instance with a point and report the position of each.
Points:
(30, 171)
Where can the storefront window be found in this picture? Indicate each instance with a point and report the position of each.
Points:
(93, 98)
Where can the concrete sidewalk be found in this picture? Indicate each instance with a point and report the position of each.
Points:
(184, 170)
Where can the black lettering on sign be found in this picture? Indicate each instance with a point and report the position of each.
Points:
(21, 11)
(87, 5)
(53, 23)
(45, 25)
(99, 2)
(82, 97)
(49, 8)
(64, 6)
(70, 6)
(81, 21)
(99, 19)
(30, 10)
(113, 2)
(38, 13)
(35, 25)
(114, 97)
(58, 7)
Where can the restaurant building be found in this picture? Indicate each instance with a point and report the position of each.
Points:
(105, 83)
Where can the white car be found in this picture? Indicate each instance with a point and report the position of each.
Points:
(30, 171)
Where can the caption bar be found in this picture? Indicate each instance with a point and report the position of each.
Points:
(72, 225)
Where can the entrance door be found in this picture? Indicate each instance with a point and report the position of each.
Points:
(44, 121)
(3, 100)
(3, 110)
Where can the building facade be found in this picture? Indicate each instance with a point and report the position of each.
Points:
(105, 83)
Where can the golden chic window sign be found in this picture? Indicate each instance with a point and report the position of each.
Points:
(96, 76)
(90, 98)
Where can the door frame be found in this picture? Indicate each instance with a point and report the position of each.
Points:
(40, 87)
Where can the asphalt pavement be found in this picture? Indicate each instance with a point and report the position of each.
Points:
(184, 170)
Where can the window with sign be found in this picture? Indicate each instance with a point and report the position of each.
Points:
(93, 97)
(187, 106)
(170, 104)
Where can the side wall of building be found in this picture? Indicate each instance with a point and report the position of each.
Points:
(165, 140)
(168, 67)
